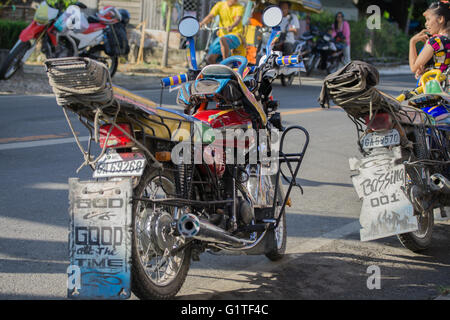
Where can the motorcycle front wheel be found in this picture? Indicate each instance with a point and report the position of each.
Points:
(279, 238)
(287, 80)
(13, 61)
(156, 274)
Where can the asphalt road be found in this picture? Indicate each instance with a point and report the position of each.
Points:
(325, 258)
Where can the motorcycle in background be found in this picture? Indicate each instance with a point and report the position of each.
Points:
(326, 55)
(403, 176)
(180, 209)
(68, 34)
(286, 73)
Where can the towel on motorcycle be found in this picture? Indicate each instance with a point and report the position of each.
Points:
(353, 88)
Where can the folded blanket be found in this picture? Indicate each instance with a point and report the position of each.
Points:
(353, 89)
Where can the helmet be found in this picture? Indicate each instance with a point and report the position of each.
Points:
(125, 16)
(109, 15)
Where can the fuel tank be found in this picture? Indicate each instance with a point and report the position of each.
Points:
(225, 119)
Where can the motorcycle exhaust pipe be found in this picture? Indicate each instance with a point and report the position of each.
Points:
(190, 226)
(440, 183)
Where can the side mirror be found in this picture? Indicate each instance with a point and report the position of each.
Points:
(272, 16)
(188, 26)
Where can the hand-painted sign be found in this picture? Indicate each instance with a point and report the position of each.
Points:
(100, 239)
(386, 209)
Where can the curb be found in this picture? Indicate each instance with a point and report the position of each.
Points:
(395, 71)
(447, 297)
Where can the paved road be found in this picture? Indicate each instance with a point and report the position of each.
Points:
(326, 259)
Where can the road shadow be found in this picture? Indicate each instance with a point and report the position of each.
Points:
(33, 256)
(343, 274)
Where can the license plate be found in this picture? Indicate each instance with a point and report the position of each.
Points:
(99, 239)
(381, 139)
(116, 164)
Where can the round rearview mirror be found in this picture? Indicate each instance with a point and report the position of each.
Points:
(188, 26)
(272, 16)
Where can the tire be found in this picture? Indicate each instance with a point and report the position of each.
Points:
(143, 286)
(311, 65)
(333, 68)
(286, 81)
(97, 53)
(13, 61)
(279, 237)
(419, 240)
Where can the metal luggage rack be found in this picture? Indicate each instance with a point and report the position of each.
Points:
(289, 158)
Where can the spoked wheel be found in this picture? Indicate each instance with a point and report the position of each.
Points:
(156, 274)
(111, 63)
(421, 239)
(279, 237)
(13, 61)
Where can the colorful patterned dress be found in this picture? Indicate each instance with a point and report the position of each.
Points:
(441, 47)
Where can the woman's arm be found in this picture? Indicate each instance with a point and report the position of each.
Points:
(417, 62)
(346, 32)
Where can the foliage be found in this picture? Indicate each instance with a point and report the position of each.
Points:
(388, 42)
(9, 32)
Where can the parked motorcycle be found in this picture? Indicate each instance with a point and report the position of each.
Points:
(286, 73)
(190, 192)
(103, 37)
(305, 47)
(403, 176)
(326, 55)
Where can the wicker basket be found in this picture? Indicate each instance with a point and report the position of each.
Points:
(79, 81)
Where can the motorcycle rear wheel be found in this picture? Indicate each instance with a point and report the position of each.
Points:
(13, 61)
(421, 239)
(155, 273)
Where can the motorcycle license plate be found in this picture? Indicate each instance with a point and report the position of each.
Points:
(115, 164)
(381, 139)
(99, 239)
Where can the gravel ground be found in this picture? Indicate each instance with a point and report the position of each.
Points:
(32, 79)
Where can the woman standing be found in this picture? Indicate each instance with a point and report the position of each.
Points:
(341, 30)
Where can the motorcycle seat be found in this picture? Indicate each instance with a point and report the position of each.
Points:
(93, 27)
(93, 19)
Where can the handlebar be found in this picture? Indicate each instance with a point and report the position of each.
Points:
(174, 80)
(287, 60)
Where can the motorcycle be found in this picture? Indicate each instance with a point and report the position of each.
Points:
(326, 55)
(174, 186)
(403, 176)
(286, 73)
(305, 48)
(61, 36)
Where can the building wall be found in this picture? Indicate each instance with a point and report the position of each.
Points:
(345, 6)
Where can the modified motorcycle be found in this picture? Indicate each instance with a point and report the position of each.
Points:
(403, 176)
(68, 33)
(170, 184)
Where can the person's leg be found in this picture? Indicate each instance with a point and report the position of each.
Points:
(227, 43)
(214, 53)
(224, 47)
